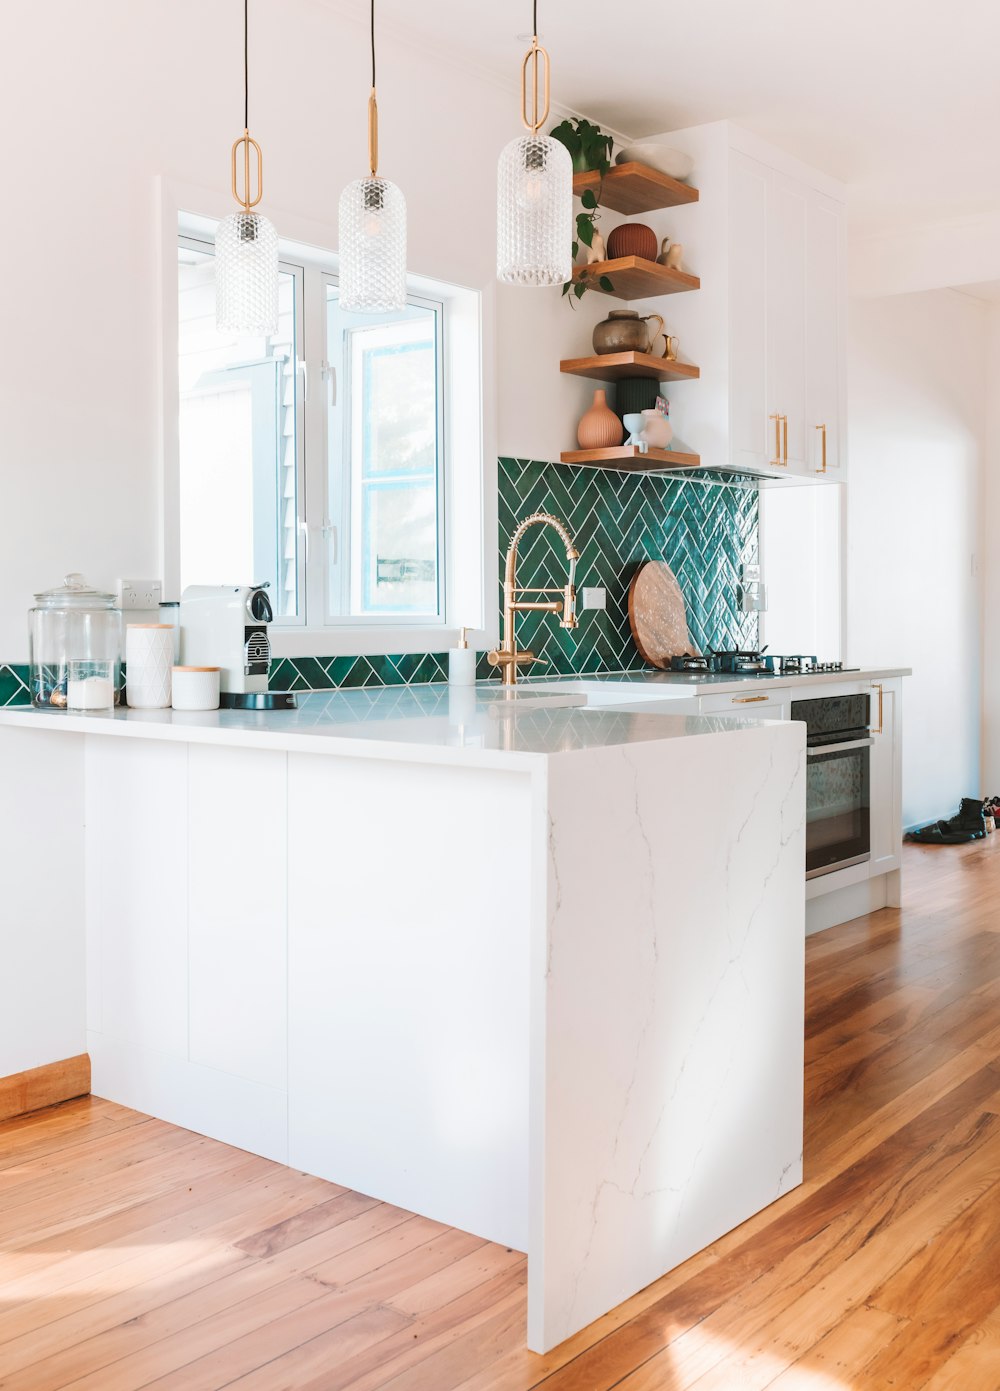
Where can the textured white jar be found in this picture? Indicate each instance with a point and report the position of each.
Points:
(149, 657)
(195, 688)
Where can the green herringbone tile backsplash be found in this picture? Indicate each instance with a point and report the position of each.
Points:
(703, 530)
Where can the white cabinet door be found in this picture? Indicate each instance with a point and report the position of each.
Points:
(750, 442)
(237, 845)
(886, 777)
(137, 939)
(787, 217)
(825, 333)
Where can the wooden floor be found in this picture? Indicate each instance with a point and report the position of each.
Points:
(134, 1254)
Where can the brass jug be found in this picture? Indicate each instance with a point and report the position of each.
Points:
(624, 331)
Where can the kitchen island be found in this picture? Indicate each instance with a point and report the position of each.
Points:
(529, 968)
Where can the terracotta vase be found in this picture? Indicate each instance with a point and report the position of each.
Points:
(599, 427)
(632, 239)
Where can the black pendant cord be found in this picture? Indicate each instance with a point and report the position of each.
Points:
(534, 18)
(373, 44)
(246, 66)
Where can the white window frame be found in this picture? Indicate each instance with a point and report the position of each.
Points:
(331, 528)
(469, 464)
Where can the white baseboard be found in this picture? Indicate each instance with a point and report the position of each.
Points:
(217, 1104)
(852, 901)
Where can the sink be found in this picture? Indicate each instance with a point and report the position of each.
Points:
(611, 690)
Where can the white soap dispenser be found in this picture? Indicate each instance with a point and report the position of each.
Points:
(462, 662)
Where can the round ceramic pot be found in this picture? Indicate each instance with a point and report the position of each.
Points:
(634, 394)
(599, 427)
(624, 331)
(632, 239)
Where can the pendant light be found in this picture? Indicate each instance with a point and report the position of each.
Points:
(534, 190)
(246, 243)
(372, 230)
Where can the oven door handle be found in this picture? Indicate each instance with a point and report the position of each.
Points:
(817, 749)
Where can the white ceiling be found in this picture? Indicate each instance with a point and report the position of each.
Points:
(899, 98)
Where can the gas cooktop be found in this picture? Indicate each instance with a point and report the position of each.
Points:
(753, 663)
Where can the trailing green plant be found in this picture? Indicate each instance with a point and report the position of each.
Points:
(585, 226)
(588, 146)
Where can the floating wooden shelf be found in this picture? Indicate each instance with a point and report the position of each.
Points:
(611, 367)
(634, 277)
(635, 188)
(627, 456)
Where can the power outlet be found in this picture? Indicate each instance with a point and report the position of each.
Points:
(139, 594)
(594, 597)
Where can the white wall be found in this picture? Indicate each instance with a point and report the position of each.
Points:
(103, 98)
(991, 563)
(917, 412)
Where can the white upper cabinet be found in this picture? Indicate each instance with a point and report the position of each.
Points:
(748, 399)
(785, 280)
(826, 331)
(767, 328)
(786, 322)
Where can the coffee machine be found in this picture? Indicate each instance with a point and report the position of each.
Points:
(225, 626)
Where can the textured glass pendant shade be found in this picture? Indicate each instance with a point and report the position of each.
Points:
(246, 274)
(372, 247)
(534, 212)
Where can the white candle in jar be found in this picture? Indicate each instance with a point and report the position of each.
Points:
(90, 693)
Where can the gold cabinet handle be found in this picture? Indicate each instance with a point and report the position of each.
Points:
(822, 467)
(777, 461)
(784, 440)
(746, 700)
(877, 686)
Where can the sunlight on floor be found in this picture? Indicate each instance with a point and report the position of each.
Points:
(701, 1361)
(26, 1274)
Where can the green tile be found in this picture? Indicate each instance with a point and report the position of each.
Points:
(14, 688)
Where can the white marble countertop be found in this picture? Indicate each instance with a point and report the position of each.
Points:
(480, 726)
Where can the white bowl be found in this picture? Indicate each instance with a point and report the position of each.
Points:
(668, 161)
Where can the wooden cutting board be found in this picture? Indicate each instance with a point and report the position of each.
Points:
(657, 614)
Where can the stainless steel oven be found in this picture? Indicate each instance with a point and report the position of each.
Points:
(838, 781)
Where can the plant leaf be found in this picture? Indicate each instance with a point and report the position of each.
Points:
(580, 289)
(605, 283)
(587, 198)
(585, 231)
(575, 250)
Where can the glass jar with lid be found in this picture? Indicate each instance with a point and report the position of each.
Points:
(75, 633)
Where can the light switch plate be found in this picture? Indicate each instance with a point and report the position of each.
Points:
(594, 597)
(139, 594)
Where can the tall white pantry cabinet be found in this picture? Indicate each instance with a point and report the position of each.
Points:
(768, 326)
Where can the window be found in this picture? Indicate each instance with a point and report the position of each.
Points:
(314, 460)
(238, 436)
(384, 462)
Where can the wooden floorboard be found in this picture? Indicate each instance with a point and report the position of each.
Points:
(134, 1254)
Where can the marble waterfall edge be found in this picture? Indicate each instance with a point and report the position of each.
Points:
(673, 1001)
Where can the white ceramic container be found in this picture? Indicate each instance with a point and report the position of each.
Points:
(149, 656)
(195, 688)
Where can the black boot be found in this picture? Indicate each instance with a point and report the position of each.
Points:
(969, 819)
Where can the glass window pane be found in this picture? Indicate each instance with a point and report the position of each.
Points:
(384, 462)
(400, 399)
(397, 570)
(238, 446)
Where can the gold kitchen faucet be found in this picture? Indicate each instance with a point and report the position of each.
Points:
(507, 656)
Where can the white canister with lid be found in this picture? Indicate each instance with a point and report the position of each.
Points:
(196, 688)
(149, 657)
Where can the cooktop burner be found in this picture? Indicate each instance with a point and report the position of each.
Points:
(688, 662)
(754, 663)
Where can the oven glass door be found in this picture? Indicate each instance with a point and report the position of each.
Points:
(838, 806)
